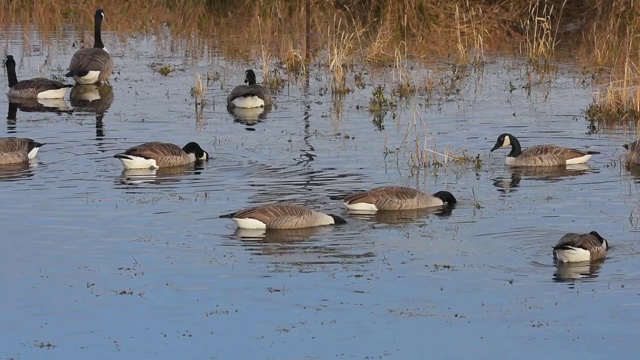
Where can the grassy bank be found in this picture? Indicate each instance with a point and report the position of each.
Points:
(600, 35)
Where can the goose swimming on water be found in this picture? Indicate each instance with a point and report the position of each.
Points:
(17, 150)
(281, 216)
(155, 155)
(249, 96)
(540, 155)
(580, 247)
(36, 88)
(396, 198)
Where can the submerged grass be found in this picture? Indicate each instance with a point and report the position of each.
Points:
(424, 153)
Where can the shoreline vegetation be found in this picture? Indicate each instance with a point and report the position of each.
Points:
(600, 36)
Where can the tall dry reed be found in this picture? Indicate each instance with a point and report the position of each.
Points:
(602, 33)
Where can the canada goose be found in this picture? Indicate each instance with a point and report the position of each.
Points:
(632, 157)
(540, 155)
(580, 247)
(281, 216)
(249, 96)
(92, 65)
(396, 198)
(155, 155)
(36, 88)
(17, 150)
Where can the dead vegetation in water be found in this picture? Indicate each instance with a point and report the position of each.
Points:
(391, 33)
(341, 48)
(616, 50)
(197, 91)
(540, 29)
(535, 26)
(424, 153)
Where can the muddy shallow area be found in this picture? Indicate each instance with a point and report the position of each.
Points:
(100, 263)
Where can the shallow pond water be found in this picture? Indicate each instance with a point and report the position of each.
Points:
(98, 262)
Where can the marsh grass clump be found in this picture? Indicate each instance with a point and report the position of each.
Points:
(294, 62)
(470, 24)
(619, 100)
(273, 80)
(165, 70)
(376, 51)
(403, 88)
(379, 106)
(358, 79)
(425, 153)
(540, 30)
(341, 48)
(615, 105)
(162, 69)
(430, 157)
(379, 101)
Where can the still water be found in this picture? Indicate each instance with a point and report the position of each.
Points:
(101, 263)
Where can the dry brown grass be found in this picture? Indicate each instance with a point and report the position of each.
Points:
(617, 101)
(341, 48)
(602, 33)
(540, 30)
(429, 28)
(425, 152)
(615, 49)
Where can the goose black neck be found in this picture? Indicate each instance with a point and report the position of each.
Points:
(97, 42)
(11, 72)
(250, 77)
(516, 150)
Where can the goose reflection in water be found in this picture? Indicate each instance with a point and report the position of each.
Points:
(17, 171)
(166, 175)
(398, 217)
(91, 98)
(280, 236)
(510, 184)
(95, 99)
(58, 106)
(569, 272)
(249, 116)
(301, 247)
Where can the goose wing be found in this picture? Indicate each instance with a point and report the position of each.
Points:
(587, 242)
(38, 85)
(91, 59)
(386, 198)
(551, 154)
(250, 90)
(9, 145)
(155, 150)
(278, 216)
